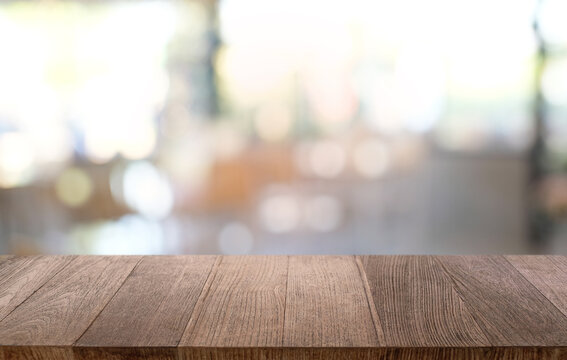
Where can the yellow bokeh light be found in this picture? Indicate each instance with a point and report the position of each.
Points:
(74, 187)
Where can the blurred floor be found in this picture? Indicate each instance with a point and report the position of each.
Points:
(452, 206)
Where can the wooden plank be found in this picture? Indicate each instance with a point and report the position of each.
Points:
(344, 353)
(21, 276)
(126, 353)
(61, 310)
(306, 307)
(504, 304)
(326, 304)
(548, 274)
(164, 290)
(381, 353)
(467, 353)
(227, 353)
(242, 305)
(38, 353)
(510, 353)
(417, 304)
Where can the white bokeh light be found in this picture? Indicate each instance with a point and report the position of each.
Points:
(280, 213)
(147, 190)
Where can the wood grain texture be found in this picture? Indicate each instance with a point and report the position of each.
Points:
(326, 354)
(242, 305)
(38, 353)
(397, 353)
(62, 309)
(125, 353)
(548, 274)
(504, 304)
(21, 276)
(165, 290)
(227, 353)
(417, 304)
(326, 305)
(503, 353)
(284, 307)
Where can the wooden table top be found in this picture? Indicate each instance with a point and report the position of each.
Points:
(283, 307)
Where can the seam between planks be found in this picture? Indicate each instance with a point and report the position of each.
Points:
(74, 258)
(202, 295)
(551, 261)
(535, 287)
(470, 309)
(108, 302)
(285, 300)
(164, 300)
(370, 301)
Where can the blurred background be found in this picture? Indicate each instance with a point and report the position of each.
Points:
(294, 127)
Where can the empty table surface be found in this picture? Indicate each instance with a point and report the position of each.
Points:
(283, 307)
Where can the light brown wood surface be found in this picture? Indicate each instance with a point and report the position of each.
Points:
(547, 274)
(21, 276)
(283, 307)
(326, 305)
(242, 305)
(59, 311)
(153, 306)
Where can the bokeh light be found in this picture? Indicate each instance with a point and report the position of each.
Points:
(280, 213)
(74, 187)
(147, 190)
(129, 235)
(327, 158)
(371, 158)
(229, 126)
(17, 158)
